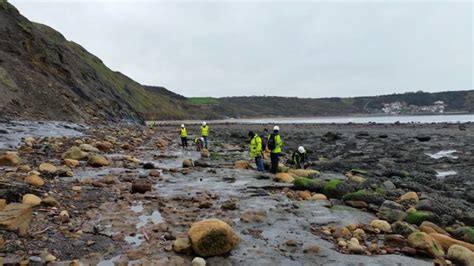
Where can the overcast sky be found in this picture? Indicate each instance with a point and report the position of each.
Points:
(305, 49)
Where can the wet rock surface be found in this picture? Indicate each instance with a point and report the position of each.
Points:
(88, 212)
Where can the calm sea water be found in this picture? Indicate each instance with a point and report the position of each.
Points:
(462, 118)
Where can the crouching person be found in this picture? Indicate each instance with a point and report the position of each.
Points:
(300, 158)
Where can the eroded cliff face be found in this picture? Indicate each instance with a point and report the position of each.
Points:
(45, 76)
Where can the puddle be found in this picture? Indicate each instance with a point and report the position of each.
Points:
(134, 241)
(442, 174)
(154, 217)
(16, 130)
(95, 173)
(109, 262)
(441, 154)
(137, 208)
(240, 183)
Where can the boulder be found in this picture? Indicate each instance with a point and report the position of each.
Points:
(403, 228)
(303, 173)
(391, 211)
(71, 163)
(461, 255)
(305, 195)
(391, 215)
(23, 168)
(388, 185)
(417, 217)
(359, 234)
(16, 217)
(34, 180)
(425, 242)
(313, 185)
(395, 241)
(366, 196)
(88, 148)
(75, 153)
(241, 164)
(318, 196)
(182, 245)
(354, 246)
(148, 165)
(48, 168)
(104, 146)
(357, 179)
(423, 138)
(10, 159)
(132, 159)
(212, 237)
(382, 225)
(446, 241)
(258, 216)
(187, 163)
(337, 188)
(197, 261)
(283, 177)
(357, 204)
(64, 216)
(410, 197)
(465, 233)
(31, 200)
(50, 202)
(330, 136)
(429, 227)
(140, 186)
(98, 161)
(205, 153)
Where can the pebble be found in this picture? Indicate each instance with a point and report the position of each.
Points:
(198, 261)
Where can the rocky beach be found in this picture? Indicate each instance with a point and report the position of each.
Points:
(376, 194)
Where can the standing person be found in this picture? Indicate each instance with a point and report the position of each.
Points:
(300, 158)
(184, 136)
(264, 137)
(255, 149)
(204, 132)
(274, 145)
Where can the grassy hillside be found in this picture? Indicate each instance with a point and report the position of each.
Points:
(457, 101)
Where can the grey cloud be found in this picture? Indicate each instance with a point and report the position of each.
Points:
(307, 49)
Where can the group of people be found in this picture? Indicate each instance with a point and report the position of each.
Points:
(259, 145)
(200, 142)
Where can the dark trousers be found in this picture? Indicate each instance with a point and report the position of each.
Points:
(274, 162)
(205, 141)
(184, 142)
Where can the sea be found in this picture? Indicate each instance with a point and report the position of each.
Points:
(379, 119)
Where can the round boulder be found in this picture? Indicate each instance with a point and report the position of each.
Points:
(212, 237)
(98, 161)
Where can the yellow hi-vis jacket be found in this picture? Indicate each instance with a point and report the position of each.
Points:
(205, 131)
(278, 143)
(255, 146)
(183, 132)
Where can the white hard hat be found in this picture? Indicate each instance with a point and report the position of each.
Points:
(182, 125)
(301, 149)
(276, 128)
(202, 138)
(203, 123)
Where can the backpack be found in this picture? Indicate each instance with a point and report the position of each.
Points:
(271, 142)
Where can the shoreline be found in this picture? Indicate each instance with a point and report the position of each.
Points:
(467, 118)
